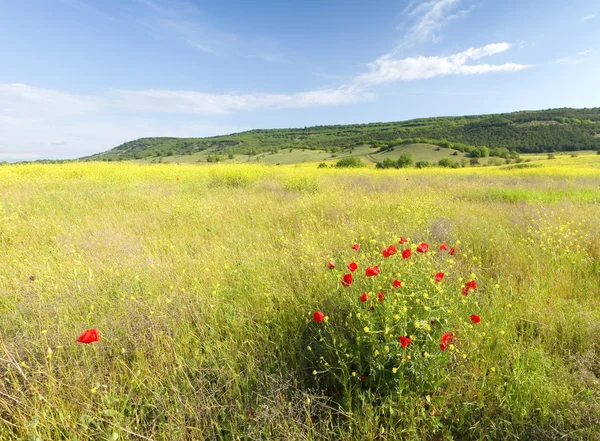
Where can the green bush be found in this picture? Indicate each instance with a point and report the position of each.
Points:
(351, 162)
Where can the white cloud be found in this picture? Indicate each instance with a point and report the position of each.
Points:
(585, 52)
(387, 69)
(182, 101)
(588, 17)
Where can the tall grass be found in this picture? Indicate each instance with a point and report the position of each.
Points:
(203, 282)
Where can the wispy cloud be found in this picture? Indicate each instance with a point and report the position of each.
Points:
(423, 19)
(580, 57)
(387, 69)
(588, 17)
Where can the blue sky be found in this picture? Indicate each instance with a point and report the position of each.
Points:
(82, 76)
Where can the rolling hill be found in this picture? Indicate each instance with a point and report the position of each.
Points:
(540, 131)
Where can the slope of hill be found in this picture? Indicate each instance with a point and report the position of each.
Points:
(524, 132)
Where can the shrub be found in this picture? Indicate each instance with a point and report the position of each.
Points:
(445, 162)
(322, 165)
(422, 164)
(351, 162)
(551, 156)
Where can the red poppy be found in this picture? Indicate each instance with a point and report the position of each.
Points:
(402, 240)
(397, 283)
(353, 266)
(318, 317)
(406, 253)
(89, 336)
(446, 340)
(452, 251)
(471, 285)
(364, 297)
(347, 280)
(443, 247)
(423, 248)
(439, 277)
(362, 378)
(385, 253)
(391, 249)
(465, 292)
(372, 271)
(356, 247)
(331, 264)
(475, 318)
(380, 296)
(404, 340)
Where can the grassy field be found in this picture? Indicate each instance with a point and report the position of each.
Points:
(204, 282)
(368, 154)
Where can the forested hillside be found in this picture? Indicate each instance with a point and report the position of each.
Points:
(524, 132)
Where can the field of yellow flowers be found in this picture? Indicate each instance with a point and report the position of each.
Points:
(239, 302)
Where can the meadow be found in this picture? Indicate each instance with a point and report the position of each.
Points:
(205, 283)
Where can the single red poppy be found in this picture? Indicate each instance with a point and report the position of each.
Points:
(471, 285)
(397, 283)
(465, 292)
(89, 336)
(318, 317)
(347, 280)
(402, 240)
(443, 247)
(392, 250)
(406, 253)
(385, 253)
(475, 318)
(423, 248)
(446, 340)
(353, 266)
(362, 378)
(364, 297)
(331, 264)
(404, 340)
(380, 296)
(452, 251)
(356, 247)
(372, 271)
(439, 277)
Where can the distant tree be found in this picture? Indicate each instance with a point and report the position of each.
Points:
(551, 156)
(352, 162)
(474, 161)
(230, 156)
(405, 160)
(422, 164)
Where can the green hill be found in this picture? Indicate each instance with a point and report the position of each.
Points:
(524, 132)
